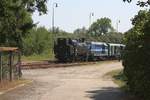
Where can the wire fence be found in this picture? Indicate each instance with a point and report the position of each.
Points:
(10, 65)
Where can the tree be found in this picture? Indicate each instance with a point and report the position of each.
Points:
(140, 3)
(16, 21)
(101, 26)
(82, 30)
(113, 37)
(39, 40)
(136, 58)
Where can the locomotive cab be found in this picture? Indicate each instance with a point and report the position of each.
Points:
(63, 49)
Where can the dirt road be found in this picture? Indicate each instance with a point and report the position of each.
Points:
(70, 83)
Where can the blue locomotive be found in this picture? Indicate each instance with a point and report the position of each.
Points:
(69, 50)
(102, 50)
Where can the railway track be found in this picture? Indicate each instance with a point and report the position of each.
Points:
(50, 64)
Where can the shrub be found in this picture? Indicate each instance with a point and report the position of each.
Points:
(136, 57)
(38, 41)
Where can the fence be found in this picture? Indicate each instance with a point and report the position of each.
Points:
(10, 64)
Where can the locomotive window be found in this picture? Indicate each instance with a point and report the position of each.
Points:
(96, 46)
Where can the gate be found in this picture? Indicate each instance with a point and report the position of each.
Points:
(10, 64)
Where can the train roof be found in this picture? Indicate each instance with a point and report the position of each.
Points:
(99, 43)
(114, 44)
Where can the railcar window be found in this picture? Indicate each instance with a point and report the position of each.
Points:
(104, 49)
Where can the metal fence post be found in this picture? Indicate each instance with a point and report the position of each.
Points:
(1, 68)
(10, 66)
(19, 61)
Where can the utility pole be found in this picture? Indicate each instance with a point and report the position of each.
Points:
(90, 18)
(55, 5)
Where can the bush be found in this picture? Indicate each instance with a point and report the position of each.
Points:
(37, 42)
(136, 57)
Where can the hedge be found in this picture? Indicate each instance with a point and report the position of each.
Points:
(136, 57)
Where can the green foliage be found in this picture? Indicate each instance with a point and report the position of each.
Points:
(38, 41)
(80, 31)
(101, 31)
(39, 57)
(136, 59)
(140, 2)
(101, 26)
(112, 37)
(16, 21)
(119, 78)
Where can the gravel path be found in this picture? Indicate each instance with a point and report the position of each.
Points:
(70, 83)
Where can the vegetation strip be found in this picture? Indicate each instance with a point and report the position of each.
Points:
(118, 77)
(18, 84)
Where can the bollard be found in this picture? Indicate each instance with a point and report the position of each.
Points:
(1, 68)
(19, 61)
(10, 66)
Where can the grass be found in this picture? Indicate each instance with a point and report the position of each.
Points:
(37, 57)
(118, 78)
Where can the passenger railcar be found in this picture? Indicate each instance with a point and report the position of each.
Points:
(115, 50)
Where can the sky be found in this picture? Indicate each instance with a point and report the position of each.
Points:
(73, 14)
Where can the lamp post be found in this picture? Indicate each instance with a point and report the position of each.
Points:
(90, 18)
(55, 5)
(117, 25)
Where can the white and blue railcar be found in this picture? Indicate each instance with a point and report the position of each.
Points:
(115, 50)
(98, 50)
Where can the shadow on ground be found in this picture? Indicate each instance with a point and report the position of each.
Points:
(109, 93)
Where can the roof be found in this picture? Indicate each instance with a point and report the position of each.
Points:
(8, 48)
(99, 43)
(113, 44)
